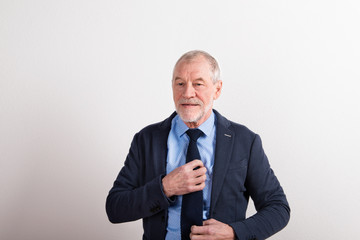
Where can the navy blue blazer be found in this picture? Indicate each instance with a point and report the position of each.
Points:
(241, 169)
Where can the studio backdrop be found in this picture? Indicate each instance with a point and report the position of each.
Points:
(79, 78)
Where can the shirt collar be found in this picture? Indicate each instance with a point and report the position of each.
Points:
(205, 127)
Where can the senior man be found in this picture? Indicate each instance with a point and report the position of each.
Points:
(191, 175)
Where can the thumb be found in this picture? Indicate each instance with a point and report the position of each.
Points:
(209, 222)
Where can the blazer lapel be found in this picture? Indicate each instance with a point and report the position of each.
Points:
(161, 138)
(223, 150)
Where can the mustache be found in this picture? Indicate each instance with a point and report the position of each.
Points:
(190, 101)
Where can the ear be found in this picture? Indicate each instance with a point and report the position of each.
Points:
(218, 87)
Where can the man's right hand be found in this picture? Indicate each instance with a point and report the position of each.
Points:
(185, 179)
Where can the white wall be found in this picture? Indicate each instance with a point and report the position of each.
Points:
(79, 78)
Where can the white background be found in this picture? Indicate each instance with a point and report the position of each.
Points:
(79, 78)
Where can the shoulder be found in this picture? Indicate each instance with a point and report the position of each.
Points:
(239, 130)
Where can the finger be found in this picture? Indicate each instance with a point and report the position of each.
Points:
(196, 173)
(199, 186)
(200, 171)
(200, 179)
(195, 163)
(196, 187)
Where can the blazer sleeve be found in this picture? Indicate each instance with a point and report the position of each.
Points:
(132, 196)
(273, 211)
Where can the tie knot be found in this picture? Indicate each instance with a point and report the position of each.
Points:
(194, 133)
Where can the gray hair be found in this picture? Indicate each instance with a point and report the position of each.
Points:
(214, 66)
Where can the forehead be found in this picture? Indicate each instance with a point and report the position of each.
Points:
(197, 67)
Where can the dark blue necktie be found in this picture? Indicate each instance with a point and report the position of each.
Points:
(192, 203)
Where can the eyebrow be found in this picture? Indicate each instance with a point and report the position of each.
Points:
(197, 79)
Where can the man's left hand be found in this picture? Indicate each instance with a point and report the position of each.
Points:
(211, 230)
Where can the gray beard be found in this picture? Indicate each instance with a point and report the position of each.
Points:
(199, 116)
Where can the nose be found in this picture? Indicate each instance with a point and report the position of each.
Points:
(189, 91)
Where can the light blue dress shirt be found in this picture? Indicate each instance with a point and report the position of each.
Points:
(177, 144)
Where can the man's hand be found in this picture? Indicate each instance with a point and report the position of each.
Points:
(211, 230)
(185, 179)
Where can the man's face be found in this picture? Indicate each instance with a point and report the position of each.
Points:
(194, 91)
